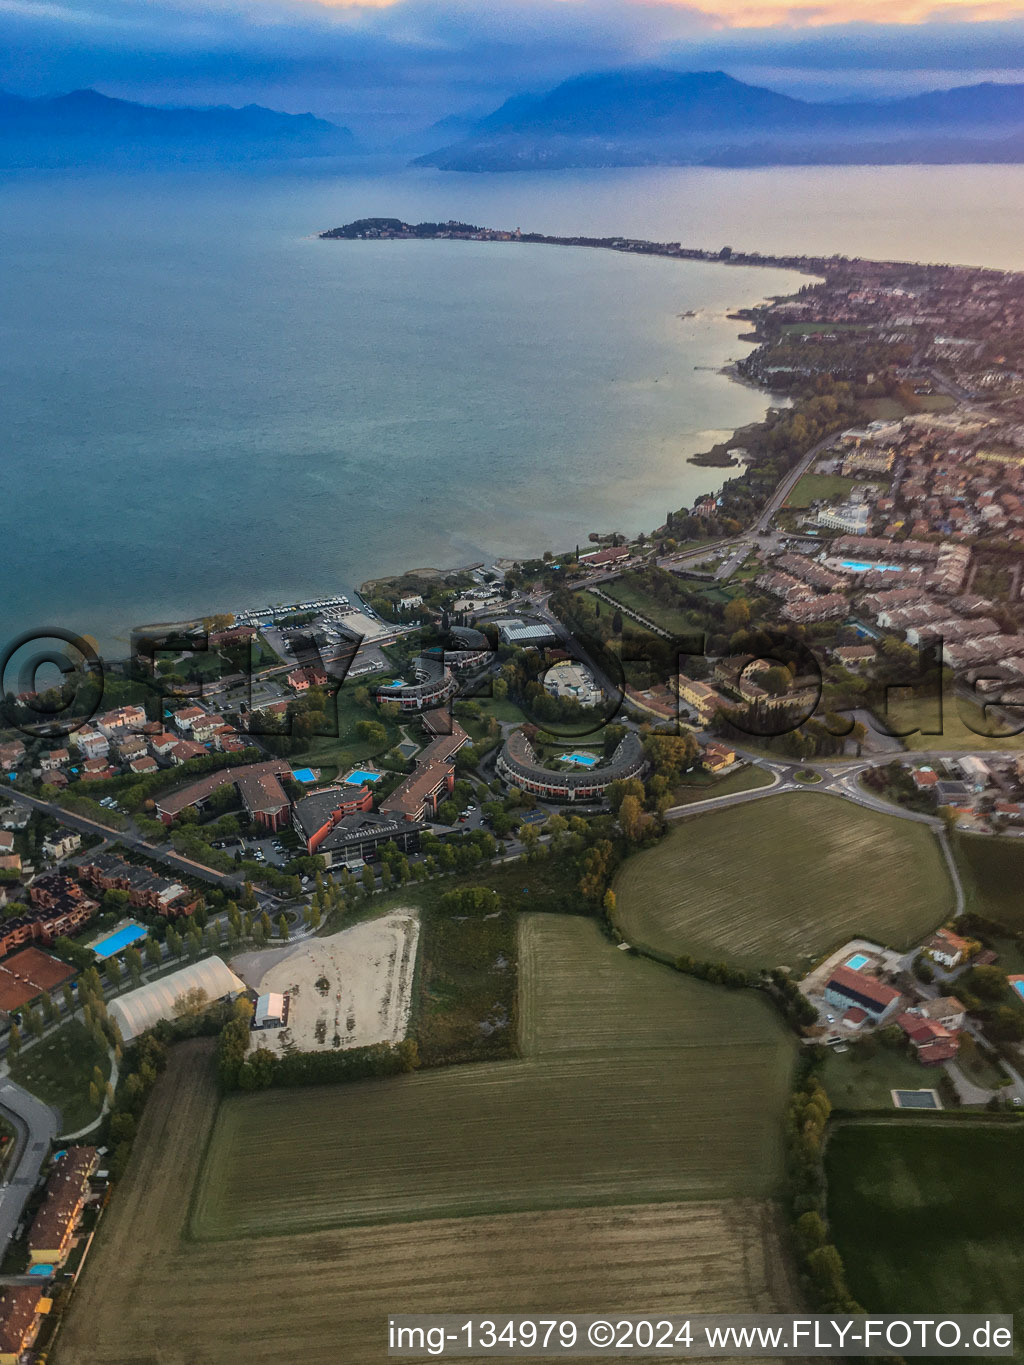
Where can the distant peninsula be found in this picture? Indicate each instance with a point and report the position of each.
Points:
(395, 229)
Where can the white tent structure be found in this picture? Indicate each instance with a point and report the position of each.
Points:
(140, 1009)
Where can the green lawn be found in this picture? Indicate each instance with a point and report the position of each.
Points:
(636, 1084)
(337, 753)
(499, 707)
(928, 1217)
(813, 328)
(855, 1080)
(59, 1070)
(703, 786)
(814, 486)
(632, 593)
(781, 881)
(953, 733)
(592, 607)
(891, 409)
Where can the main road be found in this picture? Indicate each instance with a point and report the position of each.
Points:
(84, 825)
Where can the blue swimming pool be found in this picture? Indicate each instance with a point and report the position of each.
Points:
(857, 961)
(116, 943)
(580, 759)
(360, 775)
(40, 1270)
(304, 775)
(855, 566)
(1018, 986)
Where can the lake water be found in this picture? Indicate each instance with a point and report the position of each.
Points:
(206, 408)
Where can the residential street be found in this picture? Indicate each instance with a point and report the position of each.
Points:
(37, 1125)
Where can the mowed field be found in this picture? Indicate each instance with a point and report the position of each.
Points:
(781, 881)
(635, 1084)
(993, 872)
(152, 1295)
(950, 1206)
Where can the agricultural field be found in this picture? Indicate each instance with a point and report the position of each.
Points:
(604, 1037)
(781, 881)
(992, 872)
(951, 1202)
(324, 1297)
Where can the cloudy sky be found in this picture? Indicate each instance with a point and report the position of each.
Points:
(387, 66)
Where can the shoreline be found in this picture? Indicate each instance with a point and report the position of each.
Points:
(728, 371)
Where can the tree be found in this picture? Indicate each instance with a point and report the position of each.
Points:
(632, 819)
(923, 969)
(50, 1010)
(369, 880)
(609, 903)
(153, 954)
(14, 1041)
(989, 983)
(372, 733)
(811, 1231)
(112, 971)
(617, 622)
(191, 1003)
(736, 615)
(776, 680)
(826, 1270)
(282, 927)
(69, 997)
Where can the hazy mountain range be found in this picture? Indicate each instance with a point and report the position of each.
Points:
(651, 116)
(87, 128)
(619, 118)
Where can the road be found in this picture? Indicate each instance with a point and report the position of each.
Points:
(162, 854)
(36, 1125)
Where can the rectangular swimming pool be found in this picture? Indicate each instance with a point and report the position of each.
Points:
(581, 760)
(855, 566)
(116, 943)
(915, 1099)
(1018, 986)
(358, 776)
(304, 775)
(857, 961)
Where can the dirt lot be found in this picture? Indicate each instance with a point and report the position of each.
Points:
(149, 1298)
(348, 990)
